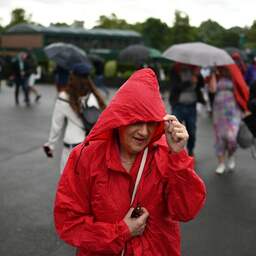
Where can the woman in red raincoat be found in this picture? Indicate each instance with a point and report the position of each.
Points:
(92, 207)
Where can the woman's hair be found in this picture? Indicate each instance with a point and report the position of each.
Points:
(77, 87)
(223, 72)
(81, 85)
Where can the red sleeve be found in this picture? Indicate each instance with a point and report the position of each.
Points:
(186, 192)
(72, 215)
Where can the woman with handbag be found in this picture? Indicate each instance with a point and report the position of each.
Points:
(67, 115)
(230, 101)
(133, 158)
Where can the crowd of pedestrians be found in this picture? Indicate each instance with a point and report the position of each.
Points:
(135, 134)
(228, 96)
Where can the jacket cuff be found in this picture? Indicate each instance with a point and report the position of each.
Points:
(123, 231)
(178, 155)
(48, 144)
(181, 159)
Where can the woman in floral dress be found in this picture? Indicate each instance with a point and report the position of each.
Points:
(226, 118)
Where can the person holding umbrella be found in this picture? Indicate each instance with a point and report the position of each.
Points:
(185, 91)
(65, 56)
(67, 114)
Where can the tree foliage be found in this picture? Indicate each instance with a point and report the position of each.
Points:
(210, 32)
(251, 36)
(59, 24)
(181, 31)
(112, 22)
(155, 33)
(158, 34)
(19, 16)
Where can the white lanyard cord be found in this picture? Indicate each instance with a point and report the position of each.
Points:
(142, 164)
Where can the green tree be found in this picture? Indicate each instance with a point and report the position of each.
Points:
(181, 31)
(19, 16)
(250, 35)
(59, 24)
(211, 32)
(156, 33)
(112, 22)
(230, 38)
(78, 24)
(1, 27)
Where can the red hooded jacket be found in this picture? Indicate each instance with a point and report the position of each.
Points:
(94, 191)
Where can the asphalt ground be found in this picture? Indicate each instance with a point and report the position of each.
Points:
(225, 227)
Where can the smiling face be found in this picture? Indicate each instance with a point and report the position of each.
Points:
(134, 138)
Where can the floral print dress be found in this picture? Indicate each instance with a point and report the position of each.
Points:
(226, 118)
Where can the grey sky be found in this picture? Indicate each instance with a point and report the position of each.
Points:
(227, 13)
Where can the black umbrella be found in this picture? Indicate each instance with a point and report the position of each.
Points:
(66, 55)
(138, 54)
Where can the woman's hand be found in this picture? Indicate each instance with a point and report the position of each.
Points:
(176, 133)
(136, 225)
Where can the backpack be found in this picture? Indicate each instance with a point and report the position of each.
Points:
(89, 115)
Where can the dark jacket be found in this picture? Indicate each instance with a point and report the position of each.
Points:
(18, 72)
(252, 98)
(177, 86)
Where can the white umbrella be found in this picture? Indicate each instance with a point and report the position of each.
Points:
(199, 54)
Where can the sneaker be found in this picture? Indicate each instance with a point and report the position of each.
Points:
(231, 163)
(253, 149)
(220, 169)
(38, 98)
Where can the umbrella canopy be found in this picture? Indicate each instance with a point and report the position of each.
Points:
(66, 55)
(199, 54)
(138, 54)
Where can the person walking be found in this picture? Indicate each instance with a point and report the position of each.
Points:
(231, 95)
(20, 74)
(67, 114)
(185, 91)
(34, 74)
(126, 187)
(250, 74)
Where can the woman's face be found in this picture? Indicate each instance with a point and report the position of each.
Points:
(135, 137)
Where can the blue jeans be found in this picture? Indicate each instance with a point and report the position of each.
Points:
(187, 114)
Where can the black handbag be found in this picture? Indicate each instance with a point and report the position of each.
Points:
(250, 122)
(244, 136)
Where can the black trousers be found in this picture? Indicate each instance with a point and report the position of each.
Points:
(21, 82)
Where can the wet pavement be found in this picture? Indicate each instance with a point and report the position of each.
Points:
(225, 227)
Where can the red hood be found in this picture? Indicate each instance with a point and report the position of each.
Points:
(138, 99)
(241, 89)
